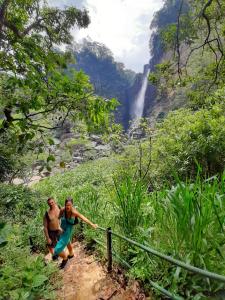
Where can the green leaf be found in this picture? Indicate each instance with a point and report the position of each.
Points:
(51, 142)
(3, 242)
(24, 295)
(62, 164)
(39, 280)
(51, 158)
(2, 225)
(48, 168)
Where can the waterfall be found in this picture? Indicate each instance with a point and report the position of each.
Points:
(138, 107)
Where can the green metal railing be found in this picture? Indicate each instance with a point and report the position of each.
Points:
(170, 259)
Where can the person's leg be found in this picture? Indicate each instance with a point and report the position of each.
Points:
(51, 250)
(64, 256)
(70, 249)
(54, 236)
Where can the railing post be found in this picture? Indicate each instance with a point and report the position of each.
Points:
(109, 249)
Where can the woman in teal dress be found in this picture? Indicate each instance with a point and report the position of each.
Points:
(68, 220)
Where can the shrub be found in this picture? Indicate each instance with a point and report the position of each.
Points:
(22, 275)
(186, 138)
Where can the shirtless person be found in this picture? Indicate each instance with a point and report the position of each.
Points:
(51, 224)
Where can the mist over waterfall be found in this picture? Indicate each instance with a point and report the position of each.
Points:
(138, 107)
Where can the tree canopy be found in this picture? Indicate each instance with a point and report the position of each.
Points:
(195, 40)
(33, 82)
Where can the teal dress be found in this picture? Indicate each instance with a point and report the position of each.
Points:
(67, 226)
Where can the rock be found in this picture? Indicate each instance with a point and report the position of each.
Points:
(56, 141)
(102, 148)
(77, 148)
(34, 180)
(93, 144)
(66, 136)
(38, 164)
(90, 155)
(78, 159)
(65, 128)
(45, 174)
(96, 139)
(18, 181)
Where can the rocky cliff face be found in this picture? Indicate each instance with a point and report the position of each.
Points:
(156, 107)
(110, 78)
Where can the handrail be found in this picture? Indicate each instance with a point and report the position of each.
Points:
(170, 259)
(114, 253)
(154, 284)
(164, 291)
(173, 260)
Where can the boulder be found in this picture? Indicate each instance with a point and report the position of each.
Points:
(103, 148)
(66, 136)
(34, 180)
(78, 159)
(18, 181)
(95, 138)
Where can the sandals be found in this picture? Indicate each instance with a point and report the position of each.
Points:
(70, 256)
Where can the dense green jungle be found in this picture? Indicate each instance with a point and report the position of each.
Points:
(64, 119)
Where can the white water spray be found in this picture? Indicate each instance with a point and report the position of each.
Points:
(138, 107)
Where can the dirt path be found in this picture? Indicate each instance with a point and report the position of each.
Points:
(84, 278)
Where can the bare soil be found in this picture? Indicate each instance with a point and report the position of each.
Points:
(85, 278)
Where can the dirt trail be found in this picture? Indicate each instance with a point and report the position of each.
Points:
(84, 278)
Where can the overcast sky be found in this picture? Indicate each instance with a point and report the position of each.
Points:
(122, 25)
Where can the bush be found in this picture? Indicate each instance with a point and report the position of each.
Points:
(16, 202)
(6, 167)
(188, 138)
(22, 275)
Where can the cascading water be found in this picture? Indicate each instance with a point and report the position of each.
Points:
(138, 107)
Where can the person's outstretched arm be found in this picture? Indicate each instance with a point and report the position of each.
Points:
(83, 218)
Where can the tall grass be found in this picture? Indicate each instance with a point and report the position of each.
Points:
(129, 198)
(188, 225)
(193, 214)
(185, 222)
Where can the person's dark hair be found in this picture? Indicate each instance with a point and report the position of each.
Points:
(50, 198)
(69, 199)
